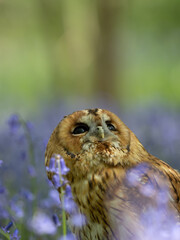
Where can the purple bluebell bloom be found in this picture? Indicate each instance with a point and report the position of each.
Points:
(68, 192)
(69, 236)
(29, 125)
(56, 220)
(1, 163)
(54, 195)
(78, 220)
(17, 208)
(134, 175)
(52, 166)
(56, 181)
(32, 171)
(15, 235)
(53, 199)
(42, 224)
(28, 195)
(14, 123)
(7, 227)
(2, 189)
(69, 204)
(23, 155)
(64, 169)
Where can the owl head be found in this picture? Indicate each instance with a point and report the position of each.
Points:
(91, 137)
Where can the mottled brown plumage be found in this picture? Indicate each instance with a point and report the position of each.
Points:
(114, 180)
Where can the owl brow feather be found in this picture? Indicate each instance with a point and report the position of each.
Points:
(93, 111)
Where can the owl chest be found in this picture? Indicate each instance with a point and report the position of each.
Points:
(89, 195)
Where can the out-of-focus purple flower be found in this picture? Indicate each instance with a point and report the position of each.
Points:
(52, 166)
(15, 235)
(159, 225)
(23, 155)
(2, 189)
(42, 224)
(7, 227)
(69, 236)
(147, 189)
(163, 197)
(14, 123)
(54, 195)
(1, 163)
(32, 171)
(134, 175)
(56, 220)
(52, 200)
(21, 139)
(3, 213)
(78, 220)
(64, 169)
(17, 209)
(56, 181)
(69, 204)
(27, 194)
(29, 125)
(68, 192)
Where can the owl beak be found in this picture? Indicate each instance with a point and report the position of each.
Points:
(100, 132)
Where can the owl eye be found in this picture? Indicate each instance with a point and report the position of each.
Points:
(81, 128)
(110, 126)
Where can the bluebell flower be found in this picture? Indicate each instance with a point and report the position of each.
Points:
(54, 195)
(69, 204)
(56, 181)
(42, 224)
(7, 227)
(17, 208)
(15, 235)
(4, 214)
(31, 170)
(29, 125)
(1, 163)
(14, 123)
(69, 236)
(159, 225)
(53, 199)
(52, 166)
(134, 175)
(64, 169)
(68, 192)
(28, 195)
(78, 220)
(23, 155)
(56, 220)
(2, 189)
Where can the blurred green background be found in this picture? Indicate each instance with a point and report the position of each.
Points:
(125, 51)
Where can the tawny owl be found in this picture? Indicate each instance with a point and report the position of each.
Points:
(119, 187)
